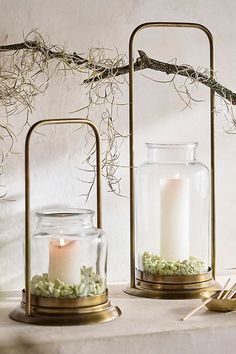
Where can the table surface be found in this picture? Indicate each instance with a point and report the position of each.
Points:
(146, 326)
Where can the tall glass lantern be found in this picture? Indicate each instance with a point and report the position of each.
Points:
(172, 206)
(67, 285)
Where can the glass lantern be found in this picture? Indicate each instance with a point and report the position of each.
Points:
(170, 245)
(65, 258)
(77, 255)
(172, 221)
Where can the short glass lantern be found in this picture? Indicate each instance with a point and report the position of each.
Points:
(69, 289)
(172, 219)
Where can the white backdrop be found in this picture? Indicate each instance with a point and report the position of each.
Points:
(80, 25)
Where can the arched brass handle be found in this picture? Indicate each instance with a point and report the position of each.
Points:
(27, 190)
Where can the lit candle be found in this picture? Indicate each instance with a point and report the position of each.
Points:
(174, 219)
(64, 261)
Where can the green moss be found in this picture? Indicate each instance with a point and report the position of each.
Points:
(91, 284)
(154, 264)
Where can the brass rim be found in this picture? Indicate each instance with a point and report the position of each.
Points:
(174, 279)
(171, 294)
(68, 311)
(162, 286)
(65, 304)
(108, 313)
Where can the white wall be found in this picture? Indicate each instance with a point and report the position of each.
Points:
(82, 24)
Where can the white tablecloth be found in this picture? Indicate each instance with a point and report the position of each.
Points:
(146, 326)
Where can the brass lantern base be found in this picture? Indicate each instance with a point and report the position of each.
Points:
(66, 312)
(172, 286)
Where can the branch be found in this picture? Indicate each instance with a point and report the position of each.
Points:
(141, 63)
(188, 71)
(43, 49)
(144, 62)
(29, 67)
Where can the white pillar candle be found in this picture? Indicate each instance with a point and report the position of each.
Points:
(64, 261)
(174, 219)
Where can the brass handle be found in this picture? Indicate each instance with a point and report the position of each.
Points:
(131, 138)
(27, 191)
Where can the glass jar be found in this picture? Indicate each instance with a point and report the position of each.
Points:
(77, 255)
(172, 214)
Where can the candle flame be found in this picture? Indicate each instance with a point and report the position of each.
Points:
(62, 242)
